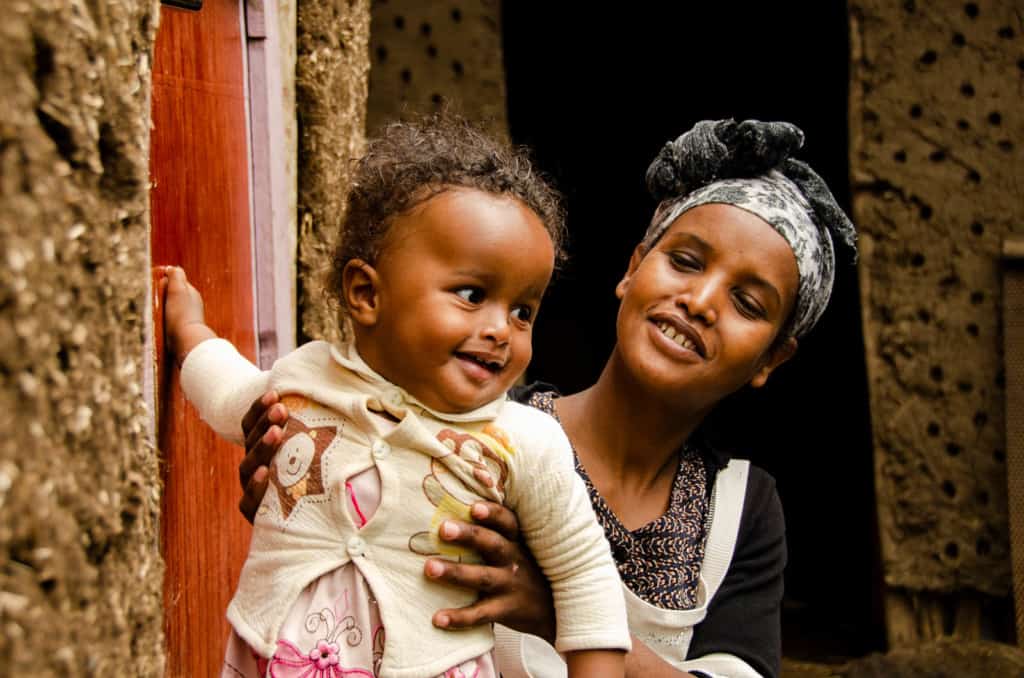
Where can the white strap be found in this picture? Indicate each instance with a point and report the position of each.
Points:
(730, 493)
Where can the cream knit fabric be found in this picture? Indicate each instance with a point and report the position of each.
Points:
(426, 464)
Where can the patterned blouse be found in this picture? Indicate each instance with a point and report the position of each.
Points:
(660, 562)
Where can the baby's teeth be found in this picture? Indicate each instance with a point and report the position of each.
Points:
(669, 332)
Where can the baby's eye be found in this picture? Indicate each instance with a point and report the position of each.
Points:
(473, 295)
(522, 313)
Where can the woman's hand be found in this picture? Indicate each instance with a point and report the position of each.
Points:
(513, 590)
(263, 426)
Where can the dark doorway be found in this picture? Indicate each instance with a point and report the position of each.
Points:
(596, 93)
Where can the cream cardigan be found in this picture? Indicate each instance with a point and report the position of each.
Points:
(426, 465)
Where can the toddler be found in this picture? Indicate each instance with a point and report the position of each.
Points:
(448, 244)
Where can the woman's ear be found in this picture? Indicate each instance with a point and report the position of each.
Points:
(634, 263)
(360, 291)
(778, 355)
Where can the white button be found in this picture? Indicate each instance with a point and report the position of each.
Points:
(380, 449)
(394, 398)
(356, 546)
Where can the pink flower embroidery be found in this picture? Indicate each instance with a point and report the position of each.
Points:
(325, 654)
(321, 662)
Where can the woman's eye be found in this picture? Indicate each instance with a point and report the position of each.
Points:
(522, 313)
(473, 295)
(684, 261)
(749, 308)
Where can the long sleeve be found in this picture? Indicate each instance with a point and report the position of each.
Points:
(743, 617)
(222, 384)
(558, 524)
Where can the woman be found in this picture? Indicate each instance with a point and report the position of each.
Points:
(736, 266)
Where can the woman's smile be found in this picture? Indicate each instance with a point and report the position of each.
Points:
(681, 333)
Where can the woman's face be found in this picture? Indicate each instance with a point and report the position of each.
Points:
(702, 309)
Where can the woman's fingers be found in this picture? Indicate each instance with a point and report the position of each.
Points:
(259, 455)
(485, 611)
(253, 494)
(483, 578)
(493, 546)
(275, 415)
(496, 517)
(253, 423)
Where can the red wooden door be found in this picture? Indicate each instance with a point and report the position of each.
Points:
(200, 210)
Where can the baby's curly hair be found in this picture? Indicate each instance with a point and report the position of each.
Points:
(411, 162)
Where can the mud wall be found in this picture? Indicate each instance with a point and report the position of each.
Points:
(330, 90)
(936, 130)
(427, 55)
(80, 572)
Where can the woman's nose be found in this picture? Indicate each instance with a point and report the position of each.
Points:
(699, 300)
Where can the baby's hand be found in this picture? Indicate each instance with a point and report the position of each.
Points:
(184, 325)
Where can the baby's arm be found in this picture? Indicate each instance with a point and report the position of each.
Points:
(600, 663)
(218, 380)
(559, 526)
(184, 323)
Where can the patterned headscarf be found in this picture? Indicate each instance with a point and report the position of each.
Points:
(747, 165)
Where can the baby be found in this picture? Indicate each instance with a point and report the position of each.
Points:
(447, 246)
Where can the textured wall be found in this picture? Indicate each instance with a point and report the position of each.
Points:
(936, 133)
(425, 54)
(330, 88)
(80, 573)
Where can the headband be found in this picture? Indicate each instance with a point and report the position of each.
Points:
(747, 165)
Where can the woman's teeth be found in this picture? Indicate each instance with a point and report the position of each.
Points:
(677, 337)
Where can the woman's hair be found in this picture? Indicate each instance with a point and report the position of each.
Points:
(726, 149)
(411, 162)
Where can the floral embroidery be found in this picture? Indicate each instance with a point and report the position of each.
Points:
(324, 655)
(320, 662)
(323, 660)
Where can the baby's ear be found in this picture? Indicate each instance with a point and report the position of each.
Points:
(778, 355)
(359, 289)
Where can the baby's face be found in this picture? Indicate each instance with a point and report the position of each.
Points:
(458, 286)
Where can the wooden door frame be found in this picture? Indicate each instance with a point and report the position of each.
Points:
(272, 151)
(271, 199)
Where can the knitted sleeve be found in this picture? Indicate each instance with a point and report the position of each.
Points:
(558, 524)
(221, 383)
(743, 617)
